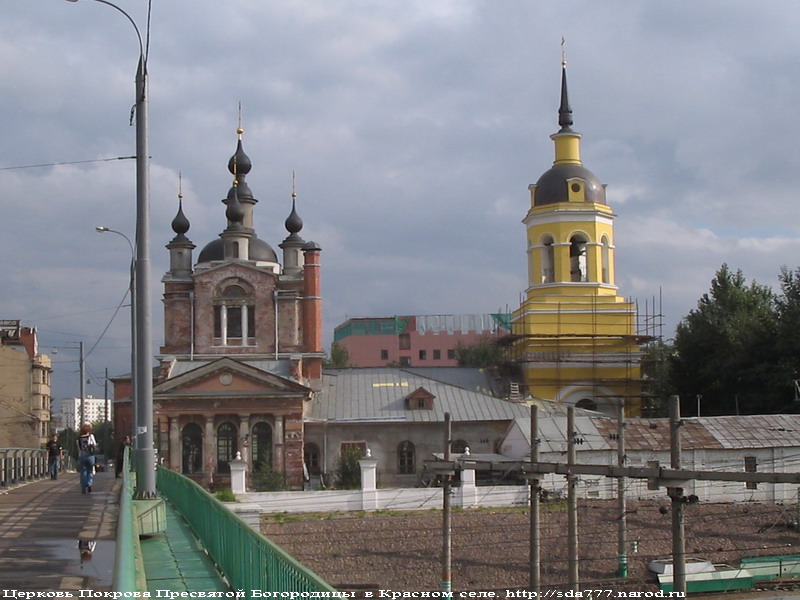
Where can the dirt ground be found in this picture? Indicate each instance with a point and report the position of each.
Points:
(490, 548)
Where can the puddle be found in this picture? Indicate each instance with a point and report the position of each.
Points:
(95, 563)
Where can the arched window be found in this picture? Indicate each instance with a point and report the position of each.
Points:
(578, 270)
(234, 316)
(227, 446)
(262, 445)
(192, 441)
(606, 273)
(586, 403)
(312, 459)
(459, 447)
(405, 458)
(548, 260)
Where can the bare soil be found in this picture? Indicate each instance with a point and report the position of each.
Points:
(490, 548)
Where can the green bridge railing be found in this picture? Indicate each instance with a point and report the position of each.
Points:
(128, 573)
(248, 560)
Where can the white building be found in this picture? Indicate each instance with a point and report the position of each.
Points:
(66, 411)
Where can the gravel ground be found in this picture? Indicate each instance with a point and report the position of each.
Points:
(490, 548)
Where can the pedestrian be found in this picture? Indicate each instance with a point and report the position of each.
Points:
(54, 455)
(87, 446)
(125, 443)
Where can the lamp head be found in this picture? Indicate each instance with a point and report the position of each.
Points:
(99, 229)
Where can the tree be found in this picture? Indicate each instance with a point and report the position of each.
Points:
(725, 350)
(339, 357)
(484, 353)
(347, 471)
(787, 305)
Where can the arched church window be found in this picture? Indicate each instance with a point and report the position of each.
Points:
(262, 445)
(578, 268)
(459, 447)
(586, 403)
(192, 450)
(405, 458)
(605, 274)
(234, 316)
(227, 446)
(548, 260)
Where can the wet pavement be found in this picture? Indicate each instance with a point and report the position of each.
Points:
(42, 525)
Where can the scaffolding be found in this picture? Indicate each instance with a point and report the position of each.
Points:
(612, 356)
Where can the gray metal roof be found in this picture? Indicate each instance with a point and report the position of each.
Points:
(754, 431)
(470, 378)
(278, 367)
(379, 394)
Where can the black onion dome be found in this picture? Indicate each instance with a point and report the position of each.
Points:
(553, 186)
(239, 163)
(262, 251)
(293, 222)
(214, 250)
(180, 224)
(234, 213)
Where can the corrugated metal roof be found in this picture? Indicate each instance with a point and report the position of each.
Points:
(278, 367)
(754, 431)
(469, 378)
(380, 394)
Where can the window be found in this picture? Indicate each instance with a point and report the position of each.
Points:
(234, 315)
(311, 458)
(192, 442)
(548, 261)
(586, 403)
(384, 355)
(262, 445)
(405, 361)
(405, 341)
(423, 354)
(405, 458)
(577, 258)
(226, 447)
(451, 354)
(458, 446)
(437, 355)
(750, 466)
(605, 273)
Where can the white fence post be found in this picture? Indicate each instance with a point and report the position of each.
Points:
(468, 492)
(238, 467)
(369, 482)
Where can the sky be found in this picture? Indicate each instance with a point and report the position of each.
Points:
(414, 128)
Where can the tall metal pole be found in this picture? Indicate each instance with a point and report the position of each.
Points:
(447, 576)
(535, 535)
(676, 495)
(572, 504)
(82, 372)
(622, 534)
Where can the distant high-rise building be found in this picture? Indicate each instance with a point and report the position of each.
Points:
(67, 412)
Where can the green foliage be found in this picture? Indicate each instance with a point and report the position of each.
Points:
(656, 371)
(347, 472)
(68, 439)
(484, 353)
(339, 357)
(264, 478)
(725, 350)
(225, 495)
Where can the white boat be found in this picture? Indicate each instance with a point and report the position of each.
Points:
(663, 566)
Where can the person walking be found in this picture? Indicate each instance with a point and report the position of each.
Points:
(87, 446)
(55, 453)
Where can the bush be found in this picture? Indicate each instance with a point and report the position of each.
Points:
(264, 478)
(225, 495)
(347, 472)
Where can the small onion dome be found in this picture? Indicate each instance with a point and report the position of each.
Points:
(234, 213)
(553, 186)
(293, 222)
(239, 163)
(180, 224)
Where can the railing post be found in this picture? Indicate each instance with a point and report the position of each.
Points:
(369, 480)
(238, 468)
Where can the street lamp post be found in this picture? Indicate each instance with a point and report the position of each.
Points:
(145, 454)
(132, 293)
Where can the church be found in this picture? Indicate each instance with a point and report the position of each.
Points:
(574, 337)
(242, 351)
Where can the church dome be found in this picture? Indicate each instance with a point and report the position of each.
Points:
(214, 250)
(554, 185)
(260, 251)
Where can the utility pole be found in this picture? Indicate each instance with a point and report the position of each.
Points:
(676, 495)
(447, 581)
(572, 503)
(82, 372)
(622, 507)
(535, 541)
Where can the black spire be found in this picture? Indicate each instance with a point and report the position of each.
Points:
(564, 111)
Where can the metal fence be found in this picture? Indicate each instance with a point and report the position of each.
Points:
(21, 464)
(126, 577)
(248, 560)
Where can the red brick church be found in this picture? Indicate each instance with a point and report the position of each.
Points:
(242, 349)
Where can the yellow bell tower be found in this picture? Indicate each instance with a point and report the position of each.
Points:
(575, 336)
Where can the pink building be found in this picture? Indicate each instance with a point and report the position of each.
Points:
(418, 341)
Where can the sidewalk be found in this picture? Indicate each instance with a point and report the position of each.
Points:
(40, 525)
